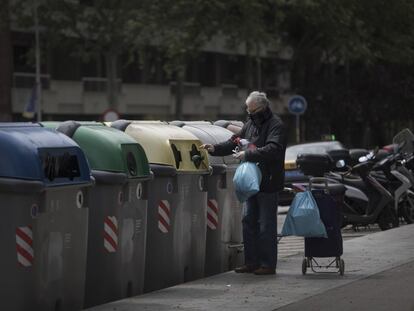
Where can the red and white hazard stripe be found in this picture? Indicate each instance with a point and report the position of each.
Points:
(212, 214)
(24, 245)
(111, 234)
(164, 212)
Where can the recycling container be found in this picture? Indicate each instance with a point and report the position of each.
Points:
(224, 212)
(43, 179)
(117, 210)
(177, 202)
(232, 125)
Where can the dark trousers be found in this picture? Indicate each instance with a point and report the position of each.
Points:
(260, 230)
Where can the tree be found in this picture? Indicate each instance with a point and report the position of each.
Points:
(254, 25)
(6, 62)
(180, 29)
(340, 47)
(90, 28)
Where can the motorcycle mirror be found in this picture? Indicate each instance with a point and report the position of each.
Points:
(367, 157)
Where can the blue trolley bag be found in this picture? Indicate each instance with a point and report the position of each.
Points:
(329, 199)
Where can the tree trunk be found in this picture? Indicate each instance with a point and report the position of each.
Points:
(249, 68)
(6, 63)
(179, 93)
(111, 75)
(258, 68)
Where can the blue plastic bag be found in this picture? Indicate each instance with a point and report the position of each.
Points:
(247, 180)
(303, 217)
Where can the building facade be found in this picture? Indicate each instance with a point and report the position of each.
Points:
(215, 84)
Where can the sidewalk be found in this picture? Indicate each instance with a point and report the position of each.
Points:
(388, 290)
(378, 258)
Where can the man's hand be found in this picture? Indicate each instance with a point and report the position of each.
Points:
(208, 147)
(239, 155)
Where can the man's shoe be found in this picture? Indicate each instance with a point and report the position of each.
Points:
(264, 271)
(245, 269)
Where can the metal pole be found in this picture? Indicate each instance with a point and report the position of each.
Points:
(297, 128)
(38, 83)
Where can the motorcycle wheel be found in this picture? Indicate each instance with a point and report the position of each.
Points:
(388, 219)
(407, 208)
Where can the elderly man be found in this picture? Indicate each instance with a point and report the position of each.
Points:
(266, 131)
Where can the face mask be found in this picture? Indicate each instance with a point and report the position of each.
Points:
(258, 117)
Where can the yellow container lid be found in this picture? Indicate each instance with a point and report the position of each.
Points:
(169, 145)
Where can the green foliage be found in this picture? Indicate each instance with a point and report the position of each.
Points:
(352, 59)
(336, 30)
(250, 21)
(181, 28)
(94, 26)
(367, 30)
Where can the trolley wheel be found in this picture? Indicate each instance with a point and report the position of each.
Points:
(341, 267)
(304, 266)
(337, 259)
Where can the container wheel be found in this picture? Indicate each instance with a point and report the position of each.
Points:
(341, 267)
(304, 266)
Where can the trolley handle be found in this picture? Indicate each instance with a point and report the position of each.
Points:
(318, 180)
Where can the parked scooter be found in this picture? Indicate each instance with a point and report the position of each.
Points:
(406, 206)
(399, 168)
(392, 170)
(366, 201)
(396, 178)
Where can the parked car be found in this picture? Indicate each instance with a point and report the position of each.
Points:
(292, 173)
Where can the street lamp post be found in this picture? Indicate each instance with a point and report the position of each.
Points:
(37, 52)
(297, 105)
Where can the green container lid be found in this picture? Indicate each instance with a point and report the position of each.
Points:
(106, 149)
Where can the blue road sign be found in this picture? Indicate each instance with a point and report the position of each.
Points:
(297, 105)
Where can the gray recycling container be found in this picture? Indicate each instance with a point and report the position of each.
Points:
(43, 179)
(117, 210)
(232, 125)
(224, 212)
(177, 202)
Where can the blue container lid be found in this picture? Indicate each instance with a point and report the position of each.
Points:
(31, 152)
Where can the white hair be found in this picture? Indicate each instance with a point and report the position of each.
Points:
(259, 98)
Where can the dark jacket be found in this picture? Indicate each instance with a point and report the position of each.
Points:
(267, 132)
